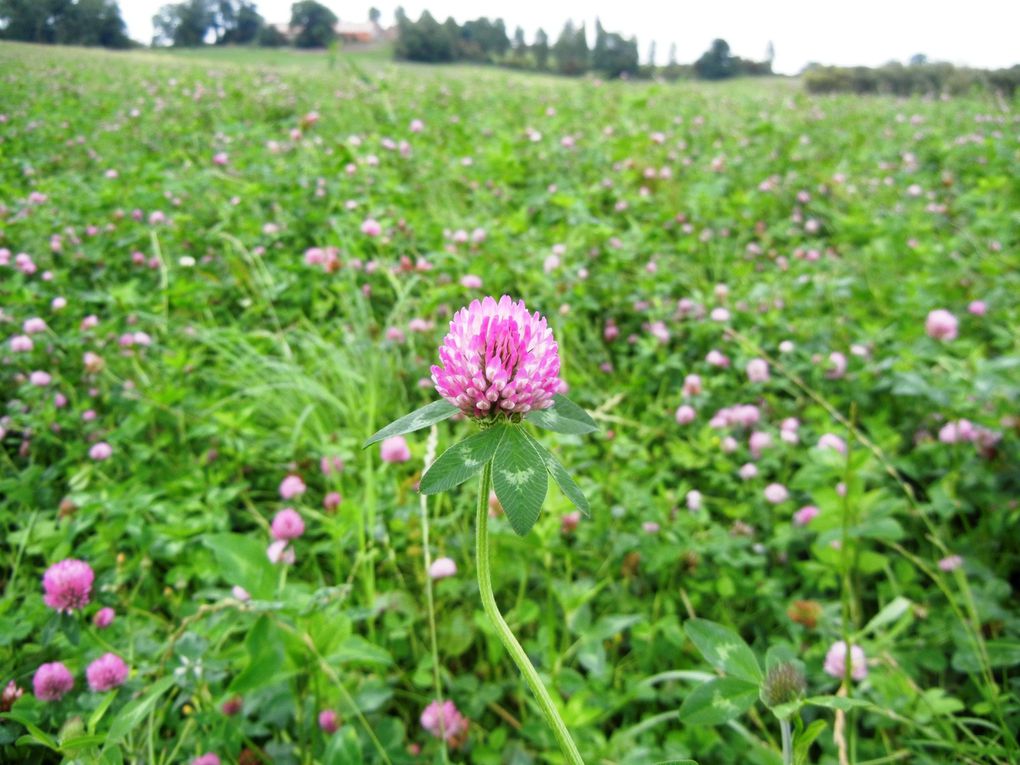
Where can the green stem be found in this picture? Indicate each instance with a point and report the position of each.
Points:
(784, 728)
(545, 702)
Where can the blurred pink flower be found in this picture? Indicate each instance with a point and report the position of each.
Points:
(692, 385)
(106, 673)
(805, 515)
(443, 720)
(977, 307)
(332, 501)
(292, 486)
(287, 524)
(941, 325)
(442, 568)
(394, 449)
(832, 441)
(950, 563)
(67, 585)
(329, 721)
(371, 227)
(757, 370)
(40, 379)
(836, 658)
(748, 471)
(21, 344)
(104, 618)
(498, 357)
(52, 681)
(570, 521)
(33, 326)
(693, 500)
(280, 552)
(100, 451)
(220, 158)
(206, 759)
(758, 442)
(471, 282)
(685, 414)
(776, 493)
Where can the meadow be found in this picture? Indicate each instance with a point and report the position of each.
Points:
(793, 319)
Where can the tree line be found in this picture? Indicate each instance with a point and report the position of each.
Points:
(918, 78)
(64, 22)
(613, 55)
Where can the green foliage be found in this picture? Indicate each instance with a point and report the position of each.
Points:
(85, 22)
(919, 78)
(259, 334)
(314, 24)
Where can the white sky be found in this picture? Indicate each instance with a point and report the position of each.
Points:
(869, 32)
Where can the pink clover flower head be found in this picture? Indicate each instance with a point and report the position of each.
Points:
(100, 451)
(287, 525)
(776, 493)
(21, 344)
(950, 563)
(570, 521)
(52, 681)
(443, 720)
(805, 515)
(758, 370)
(394, 449)
(106, 673)
(941, 325)
(371, 227)
(832, 441)
(328, 721)
(758, 442)
(40, 379)
(33, 326)
(835, 661)
(977, 307)
(496, 358)
(67, 585)
(206, 759)
(292, 486)
(693, 500)
(685, 414)
(332, 501)
(104, 617)
(280, 551)
(442, 568)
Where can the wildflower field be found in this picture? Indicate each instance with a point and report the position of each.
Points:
(787, 324)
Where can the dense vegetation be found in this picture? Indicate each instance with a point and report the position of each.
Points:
(794, 319)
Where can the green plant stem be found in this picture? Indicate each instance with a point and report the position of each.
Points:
(433, 642)
(784, 728)
(552, 716)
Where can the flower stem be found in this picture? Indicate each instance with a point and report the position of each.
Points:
(552, 716)
(784, 727)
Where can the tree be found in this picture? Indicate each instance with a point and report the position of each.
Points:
(651, 54)
(374, 14)
(184, 25)
(238, 22)
(716, 63)
(541, 49)
(425, 40)
(79, 22)
(571, 50)
(314, 22)
(613, 56)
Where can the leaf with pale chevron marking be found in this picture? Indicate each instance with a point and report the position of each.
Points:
(462, 460)
(520, 479)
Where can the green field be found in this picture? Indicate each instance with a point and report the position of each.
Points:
(793, 319)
